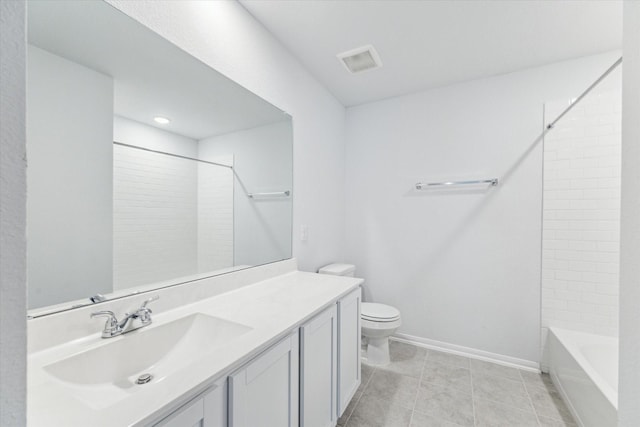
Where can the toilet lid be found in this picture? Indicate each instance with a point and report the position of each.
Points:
(379, 312)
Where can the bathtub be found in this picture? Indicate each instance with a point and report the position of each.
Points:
(584, 368)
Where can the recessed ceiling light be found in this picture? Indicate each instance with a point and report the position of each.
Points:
(360, 59)
(161, 120)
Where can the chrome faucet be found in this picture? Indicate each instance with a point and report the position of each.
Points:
(132, 321)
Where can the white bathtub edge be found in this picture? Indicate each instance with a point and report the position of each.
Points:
(565, 397)
(579, 384)
(602, 385)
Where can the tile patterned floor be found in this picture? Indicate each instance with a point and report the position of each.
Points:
(427, 388)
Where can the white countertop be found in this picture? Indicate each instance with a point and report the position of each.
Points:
(272, 308)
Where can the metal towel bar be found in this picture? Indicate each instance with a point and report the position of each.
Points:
(421, 186)
(273, 194)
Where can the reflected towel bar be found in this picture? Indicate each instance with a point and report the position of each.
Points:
(274, 194)
(421, 186)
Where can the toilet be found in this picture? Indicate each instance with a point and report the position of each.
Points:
(378, 321)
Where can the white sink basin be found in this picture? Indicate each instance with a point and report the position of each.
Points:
(104, 375)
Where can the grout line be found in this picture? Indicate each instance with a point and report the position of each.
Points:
(473, 398)
(544, 387)
(415, 400)
(502, 403)
(549, 389)
(452, 365)
(355, 405)
(517, 408)
(535, 412)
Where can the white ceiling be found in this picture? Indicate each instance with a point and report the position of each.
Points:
(425, 44)
(152, 77)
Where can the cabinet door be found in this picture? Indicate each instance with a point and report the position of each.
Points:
(348, 348)
(215, 407)
(318, 370)
(264, 393)
(207, 410)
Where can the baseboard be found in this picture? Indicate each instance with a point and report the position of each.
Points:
(514, 362)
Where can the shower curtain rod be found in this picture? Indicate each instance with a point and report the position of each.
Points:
(170, 154)
(578, 99)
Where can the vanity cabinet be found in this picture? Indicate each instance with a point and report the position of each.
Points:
(207, 410)
(305, 380)
(330, 362)
(265, 391)
(318, 370)
(348, 348)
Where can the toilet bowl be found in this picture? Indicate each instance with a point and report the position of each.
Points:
(377, 321)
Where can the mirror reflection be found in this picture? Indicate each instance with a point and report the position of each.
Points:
(146, 168)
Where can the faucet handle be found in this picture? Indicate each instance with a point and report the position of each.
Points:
(105, 313)
(111, 326)
(147, 301)
(144, 313)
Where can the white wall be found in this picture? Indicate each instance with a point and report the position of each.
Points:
(261, 163)
(581, 212)
(155, 206)
(69, 134)
(629, 389)
(13, 192)
(226, 37)
(462, 266)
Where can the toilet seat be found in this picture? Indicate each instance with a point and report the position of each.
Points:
(375, 312)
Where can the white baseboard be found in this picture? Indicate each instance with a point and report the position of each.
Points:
(514, 362)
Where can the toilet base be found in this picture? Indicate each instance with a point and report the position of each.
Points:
(377, 337)
(378, 351)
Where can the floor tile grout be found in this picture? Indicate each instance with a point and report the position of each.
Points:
(415, 400)
(355, 405)
(530, 399)
(542, 387)
(473, 398)
(506, 404)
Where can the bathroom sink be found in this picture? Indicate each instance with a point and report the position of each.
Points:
(158, 351)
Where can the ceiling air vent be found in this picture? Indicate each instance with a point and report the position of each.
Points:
(361, 59)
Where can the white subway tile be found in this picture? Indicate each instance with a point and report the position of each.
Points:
(582, 168)
(607, 289)
(583, 266)
(568, 255)
(568, 275)
(581, 287)
(609, 246)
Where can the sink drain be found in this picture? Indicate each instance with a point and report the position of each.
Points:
(144, 378)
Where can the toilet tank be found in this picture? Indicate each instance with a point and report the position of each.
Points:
(339, 270)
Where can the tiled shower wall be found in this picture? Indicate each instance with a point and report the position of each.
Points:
(581, 214)
(215, 216)
(155, 217)
(172, 217)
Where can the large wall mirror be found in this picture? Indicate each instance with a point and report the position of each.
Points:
(146, 168)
